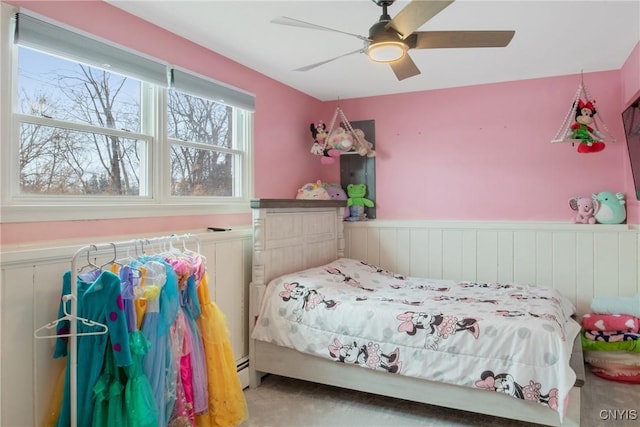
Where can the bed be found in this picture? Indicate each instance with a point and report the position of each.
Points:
(436, 339)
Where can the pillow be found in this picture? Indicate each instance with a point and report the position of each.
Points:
(617, 305)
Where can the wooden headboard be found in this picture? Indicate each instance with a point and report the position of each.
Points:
(288, 236)
(292, 235)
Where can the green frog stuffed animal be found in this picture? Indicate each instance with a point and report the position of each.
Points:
(356, 202)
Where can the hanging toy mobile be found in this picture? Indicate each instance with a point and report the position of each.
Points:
(331, 142)
(581, 126)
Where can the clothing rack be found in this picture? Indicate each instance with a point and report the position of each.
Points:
(138, 245)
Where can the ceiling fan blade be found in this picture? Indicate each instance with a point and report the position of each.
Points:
(317, 64)
(284, 20)
(455, 39)
(404, 68)
(415, 14)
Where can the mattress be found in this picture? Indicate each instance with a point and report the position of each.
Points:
(506, 338)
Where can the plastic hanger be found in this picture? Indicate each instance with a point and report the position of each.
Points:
(184, 244)
(114, 259)
(68, 317)
(90, 264)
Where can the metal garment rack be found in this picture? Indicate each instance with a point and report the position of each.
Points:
(71, 315)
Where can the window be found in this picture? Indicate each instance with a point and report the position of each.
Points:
(98, 131)
(208, 129)
(79, 129)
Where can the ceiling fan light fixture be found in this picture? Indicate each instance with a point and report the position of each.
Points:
(386, 51)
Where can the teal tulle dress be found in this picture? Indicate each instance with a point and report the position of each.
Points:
(108, 408)
(139, 402)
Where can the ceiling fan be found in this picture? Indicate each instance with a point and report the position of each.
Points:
(390, 39)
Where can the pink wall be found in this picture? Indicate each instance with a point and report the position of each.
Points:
(484, 152)
(471, 153)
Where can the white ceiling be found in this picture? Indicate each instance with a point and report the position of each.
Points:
(552, 38)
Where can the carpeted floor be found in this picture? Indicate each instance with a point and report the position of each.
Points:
(283, 402)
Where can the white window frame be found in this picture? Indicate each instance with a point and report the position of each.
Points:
(16, 207)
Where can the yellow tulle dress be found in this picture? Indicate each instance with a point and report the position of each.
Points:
(227, 404)
(51, 418)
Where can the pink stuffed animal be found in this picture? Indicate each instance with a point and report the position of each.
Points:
(584, 208)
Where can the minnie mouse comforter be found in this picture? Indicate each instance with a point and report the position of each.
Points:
(503, 338)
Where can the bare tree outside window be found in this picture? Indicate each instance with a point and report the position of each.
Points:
(57, 158)
(80, 134)
(197, 168)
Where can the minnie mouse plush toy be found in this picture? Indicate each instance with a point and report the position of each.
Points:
(320, 146)
(588, 136)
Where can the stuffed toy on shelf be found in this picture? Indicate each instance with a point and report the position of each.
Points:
(313, 191)
(609, 207)
(336, 192)
(585, 210)
(357, 202)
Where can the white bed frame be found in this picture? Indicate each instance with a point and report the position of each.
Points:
(292, 235)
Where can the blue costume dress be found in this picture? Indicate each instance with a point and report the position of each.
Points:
(160, 314)
(99, 301)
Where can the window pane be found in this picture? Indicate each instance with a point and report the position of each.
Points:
(57, 161)
(195, 119)
(49, 86)
(196, 172)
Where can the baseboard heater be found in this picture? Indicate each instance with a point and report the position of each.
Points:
(242, 366)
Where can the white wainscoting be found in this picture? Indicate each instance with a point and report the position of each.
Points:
(580, 261)
(31, 280)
